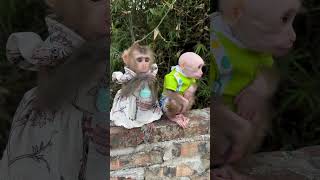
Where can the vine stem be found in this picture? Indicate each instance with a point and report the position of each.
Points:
(162, 19)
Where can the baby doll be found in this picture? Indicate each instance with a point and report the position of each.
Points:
(135, 104)
(180, 87)
(54, 142)
(245, 35)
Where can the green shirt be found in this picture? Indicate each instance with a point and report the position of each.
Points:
(177, 82)
(245, 66)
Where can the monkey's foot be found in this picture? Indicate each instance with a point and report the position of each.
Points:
(181, 120)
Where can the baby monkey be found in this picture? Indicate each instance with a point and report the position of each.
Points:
(180, 86)
(136, 104)
(246, 34)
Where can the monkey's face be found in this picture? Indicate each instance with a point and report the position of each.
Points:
(266, 25)
(141, 62)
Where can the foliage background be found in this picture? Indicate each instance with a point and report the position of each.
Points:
(184, 28)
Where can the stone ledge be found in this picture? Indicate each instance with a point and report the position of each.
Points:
(164, 130)
(300, 164)
(169, 152)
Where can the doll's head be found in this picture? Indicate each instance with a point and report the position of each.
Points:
(138, 58)
(191, 64)
(262, 25)
(89, 18)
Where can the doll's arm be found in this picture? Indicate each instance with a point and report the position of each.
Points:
(154, 69)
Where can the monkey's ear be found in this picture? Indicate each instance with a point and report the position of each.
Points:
(51, 3)
(125, 57)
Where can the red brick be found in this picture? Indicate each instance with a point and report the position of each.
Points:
(115, 164)
(136, 160)
(189, 149)
(143, 159)
(164, 131)
(184, 170)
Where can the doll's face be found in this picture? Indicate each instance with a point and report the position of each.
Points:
(191, 65)
(266, 25)
(141, 61)
(194, 69)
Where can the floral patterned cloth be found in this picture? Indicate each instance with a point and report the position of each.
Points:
(58, 144)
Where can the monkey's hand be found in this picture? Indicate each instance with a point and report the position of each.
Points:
(177, 102)
(184, 103)
(233, 135)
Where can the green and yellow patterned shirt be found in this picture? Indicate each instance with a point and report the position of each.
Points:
(244, 62)
(177, 82)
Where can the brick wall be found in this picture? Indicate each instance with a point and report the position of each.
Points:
(164, 151)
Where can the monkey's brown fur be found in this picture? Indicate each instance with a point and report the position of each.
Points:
(127, 54)
(175, 104)
(135, 84)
